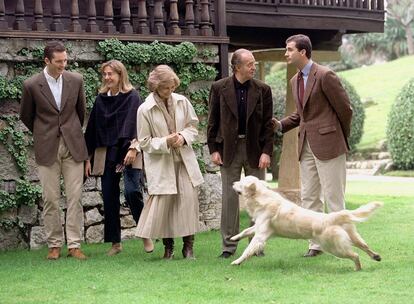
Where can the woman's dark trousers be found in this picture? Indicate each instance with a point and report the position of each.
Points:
(111, 191)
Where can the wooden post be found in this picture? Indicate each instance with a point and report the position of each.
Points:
(19, 23)
(189, 29)
(221, 31)
(174, 29)
(56, 25)
(205, 24)
(3, 22)
(142, 18)
(197, 14)
(92, 27)
(109, 26)
(126, 26)
(38, 24)
(159, 28)
(75, 26)
(289, 178)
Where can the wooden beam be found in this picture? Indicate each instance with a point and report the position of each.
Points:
(275, 55)
(103, 36)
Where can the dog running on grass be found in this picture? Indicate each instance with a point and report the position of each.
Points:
(274, 215)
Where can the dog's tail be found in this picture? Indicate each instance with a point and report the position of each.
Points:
(360, 214)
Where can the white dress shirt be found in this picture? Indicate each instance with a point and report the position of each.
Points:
(55, 86)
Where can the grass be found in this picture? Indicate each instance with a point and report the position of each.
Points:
(408, 173)
(282, 276)
(380, 83)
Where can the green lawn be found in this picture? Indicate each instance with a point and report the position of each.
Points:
(380, 83)
(282, 276)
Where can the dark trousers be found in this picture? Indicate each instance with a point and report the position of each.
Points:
(133, 183)
(230, 199)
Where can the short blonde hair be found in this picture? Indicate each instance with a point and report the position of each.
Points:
(162, 74)
(118, 67)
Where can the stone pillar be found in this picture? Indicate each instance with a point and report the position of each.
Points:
(289, 179)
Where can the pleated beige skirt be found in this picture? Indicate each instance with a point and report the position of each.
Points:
(173, 215)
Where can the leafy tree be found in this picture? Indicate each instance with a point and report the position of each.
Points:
(359, 49)
(403, 12)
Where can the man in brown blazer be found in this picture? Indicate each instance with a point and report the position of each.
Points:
(53, 109)
(239, 135)
(323, 114)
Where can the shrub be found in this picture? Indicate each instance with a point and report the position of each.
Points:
(277, 82)
(400, 128)
(358, 115)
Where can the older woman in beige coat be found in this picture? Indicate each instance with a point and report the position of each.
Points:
(166, 128)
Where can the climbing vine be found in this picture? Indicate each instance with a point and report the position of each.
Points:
(16, 143)
(139, 59)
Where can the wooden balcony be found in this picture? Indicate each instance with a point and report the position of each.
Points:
(229, 24)
(248, 23)
(132, 20)
(267, 23)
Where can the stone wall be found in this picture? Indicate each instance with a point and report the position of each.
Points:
(29, 233)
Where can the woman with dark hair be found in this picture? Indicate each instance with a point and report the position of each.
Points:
(113, 149)
(167, 126)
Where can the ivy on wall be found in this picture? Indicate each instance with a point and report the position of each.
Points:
(138, 58)
(16, 143)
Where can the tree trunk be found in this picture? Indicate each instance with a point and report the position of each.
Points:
(410, 40)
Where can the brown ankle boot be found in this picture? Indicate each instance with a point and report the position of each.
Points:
(168, 248)
(187, 251)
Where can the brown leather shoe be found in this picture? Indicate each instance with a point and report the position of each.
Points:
(76, 253)
(115, 249)
(53, 253)
(312, 253)
(148, 245)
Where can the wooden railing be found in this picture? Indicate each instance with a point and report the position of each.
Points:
(97, 19)
(372, 5)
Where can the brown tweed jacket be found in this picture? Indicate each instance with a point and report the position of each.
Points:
(222, 130)
(38, 111)
(325, 117)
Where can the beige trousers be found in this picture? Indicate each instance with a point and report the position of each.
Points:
(72, 173)
(230, 199)
(322, 181)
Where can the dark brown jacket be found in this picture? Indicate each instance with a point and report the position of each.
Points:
(325, 118)
(222, 128)
(38, 111)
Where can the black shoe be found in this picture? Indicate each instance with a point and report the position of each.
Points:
(312, 253)
(225, 255)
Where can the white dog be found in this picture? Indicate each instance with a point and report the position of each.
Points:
(274, 215)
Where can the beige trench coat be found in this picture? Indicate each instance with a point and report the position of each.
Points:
(152, 132)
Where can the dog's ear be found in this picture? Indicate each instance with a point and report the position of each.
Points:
(251, 189)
